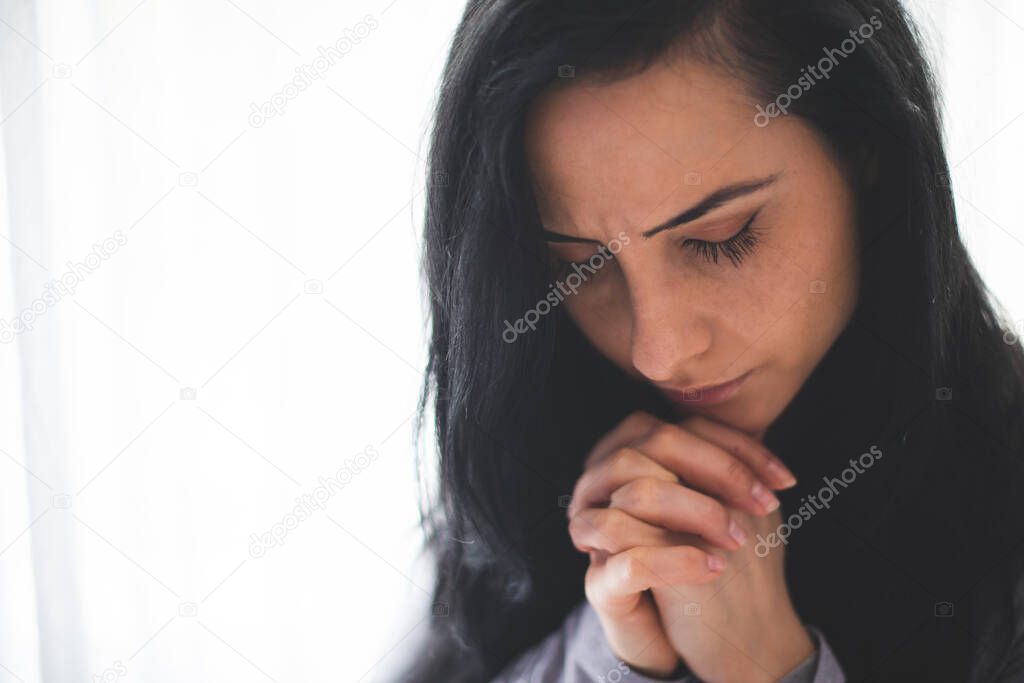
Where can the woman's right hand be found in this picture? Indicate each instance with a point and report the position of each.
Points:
(629, 557)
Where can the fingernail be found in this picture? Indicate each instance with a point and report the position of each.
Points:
(736, 532)
(763, 496)
(780, 472)
(715, 563)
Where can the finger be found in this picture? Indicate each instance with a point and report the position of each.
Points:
(677, 508)
(755, 454)
(613, 531)
(705, 466)
(632, 625)
(626, 464)
(644, 567)
(636, 425)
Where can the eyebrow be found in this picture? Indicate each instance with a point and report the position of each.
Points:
(714, 200)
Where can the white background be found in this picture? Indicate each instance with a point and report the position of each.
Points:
(273, 270)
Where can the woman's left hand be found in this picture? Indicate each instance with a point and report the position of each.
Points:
(742, 626)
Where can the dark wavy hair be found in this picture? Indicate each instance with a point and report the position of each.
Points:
(914, 573)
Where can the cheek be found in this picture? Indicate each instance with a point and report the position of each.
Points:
(751, 309)
(813, 290)
(833, 270)
(784, 305)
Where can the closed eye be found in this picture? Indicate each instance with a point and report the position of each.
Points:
(735, 248)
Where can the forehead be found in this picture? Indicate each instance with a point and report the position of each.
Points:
(606, 155)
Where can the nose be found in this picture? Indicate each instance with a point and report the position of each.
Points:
(669, 332)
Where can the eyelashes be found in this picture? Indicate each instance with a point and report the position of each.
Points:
(736, 248)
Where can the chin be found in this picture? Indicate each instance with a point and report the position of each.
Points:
(744, 420)
(746, 416)
(736, 416)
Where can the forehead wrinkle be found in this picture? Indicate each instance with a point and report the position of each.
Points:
(610, 171)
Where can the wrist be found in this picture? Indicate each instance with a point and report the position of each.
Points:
(794, 650)
(782, 648)
(787, 647)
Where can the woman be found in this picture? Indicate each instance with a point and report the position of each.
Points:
(718, 393)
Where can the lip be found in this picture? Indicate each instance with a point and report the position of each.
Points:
(708, 394)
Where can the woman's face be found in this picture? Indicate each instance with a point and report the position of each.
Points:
(611, 162)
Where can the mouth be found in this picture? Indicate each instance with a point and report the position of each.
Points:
(708, 394)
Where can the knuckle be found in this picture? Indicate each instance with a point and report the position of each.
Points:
(638, 418)
(639, 493)
(623, 460)
(581, 532)
(582, 484)
(608, 522)
(664, 434)
(737, 474)
(692, 559)
(587, 522)
(576, 528)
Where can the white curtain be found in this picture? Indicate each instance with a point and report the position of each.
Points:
(211, 329)
(212, 336)
(976, 48)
